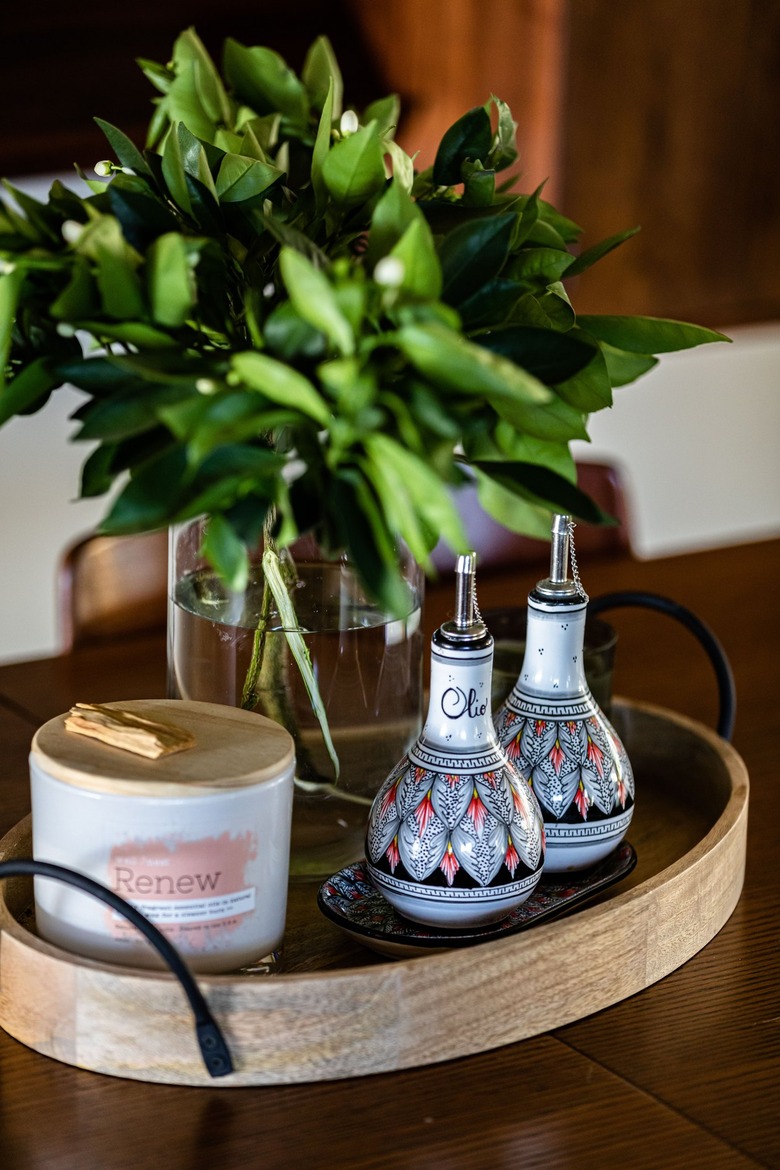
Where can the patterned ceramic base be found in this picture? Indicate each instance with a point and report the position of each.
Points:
(350, 901)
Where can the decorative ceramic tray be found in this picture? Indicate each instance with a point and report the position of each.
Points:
(350, 901)
(336, 1009)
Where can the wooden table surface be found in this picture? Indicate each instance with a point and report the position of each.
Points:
(685, 1074)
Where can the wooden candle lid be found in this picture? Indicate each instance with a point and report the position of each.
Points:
(232, 749)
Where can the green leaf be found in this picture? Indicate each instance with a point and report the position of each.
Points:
(130, 332)
(28, 391)
(322, 77)
(550, 356)
(385, 112)
(394, 212)
(79, 299)
(263, 80)
(150, 498)
(490, 305)
(470, 138)
(170, 281)
(10, 288)
(280, 383)
(321, 149)
(403, 165)
(298, 647)
(504, 149)
(569, 231)
(214, 101)
(97, 472)
(541, 485)
(449, 360)
(314, 299)
(141, 214)
(590, 389)
(513, 511)
(227, 475)
(589, 257)
(423, 488)
(370, 544)
(479, 186)
(556, 420)
(240, 179)
(473, 254)
(540, 264)
(46, 223)
(400, 511)
(226, 553)
(126, 151)
(527, 449)
(648, 335)
(117, 279)
(228, 419)
(160, 76)
(624, 367)
(99, 376)
(551, 310)
(130, 412)
(185, 158)
(194, 157)
(354, 168)
(416, 251)
(290, 337)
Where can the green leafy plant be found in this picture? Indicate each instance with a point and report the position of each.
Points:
(275, 320)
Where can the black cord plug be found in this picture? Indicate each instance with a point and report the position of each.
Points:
(212, 1044)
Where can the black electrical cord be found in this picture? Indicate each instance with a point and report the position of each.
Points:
(715, 652)
(213, 1048)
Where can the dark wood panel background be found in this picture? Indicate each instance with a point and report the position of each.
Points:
(672, 121)
(654, 112)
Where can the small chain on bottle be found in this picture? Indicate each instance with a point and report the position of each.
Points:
(575, 572)
(477, 614)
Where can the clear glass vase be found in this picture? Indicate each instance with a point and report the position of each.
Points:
(367, 663)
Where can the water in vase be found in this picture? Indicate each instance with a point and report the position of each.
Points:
(369, 675)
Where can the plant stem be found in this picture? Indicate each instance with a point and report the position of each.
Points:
(266, 683)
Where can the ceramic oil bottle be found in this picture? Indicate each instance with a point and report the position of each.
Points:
(455, 835)
(554, 732)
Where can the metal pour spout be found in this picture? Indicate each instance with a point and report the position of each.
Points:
(559, 550)
(465, 576)
(467, 624)
(559, 583)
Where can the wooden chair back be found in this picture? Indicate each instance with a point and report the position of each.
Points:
(111, 586)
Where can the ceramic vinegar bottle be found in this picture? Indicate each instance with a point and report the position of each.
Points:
(555, 733)
(455, 836)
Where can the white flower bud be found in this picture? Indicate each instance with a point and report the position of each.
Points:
(390, 272)
(7, 267)
(206, 386)
(65, 329)
(269, 290)
(104, 168)
(71, 230)
(349, 122)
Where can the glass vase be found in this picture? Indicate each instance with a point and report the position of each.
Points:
(231, 647)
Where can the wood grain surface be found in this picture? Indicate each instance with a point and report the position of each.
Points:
(684, 1074)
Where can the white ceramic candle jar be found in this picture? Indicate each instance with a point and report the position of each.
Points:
(198, 840)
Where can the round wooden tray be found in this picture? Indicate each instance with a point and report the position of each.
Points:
(335, 1009)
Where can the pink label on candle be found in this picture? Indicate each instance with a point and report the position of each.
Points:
(194, 891)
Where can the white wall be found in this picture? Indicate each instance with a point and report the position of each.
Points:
(698, 439)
